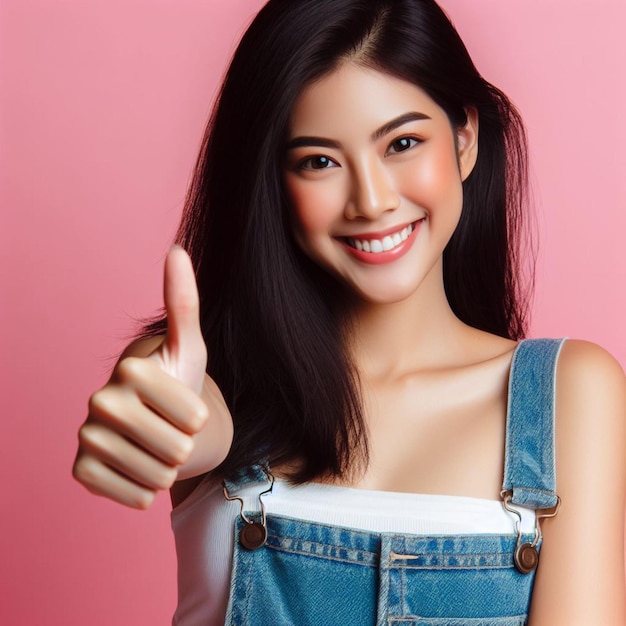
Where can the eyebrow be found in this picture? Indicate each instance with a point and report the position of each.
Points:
(405, 118)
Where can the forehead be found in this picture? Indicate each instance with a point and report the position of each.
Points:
(352, 96)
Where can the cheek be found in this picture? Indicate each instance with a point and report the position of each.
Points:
(314, 207)
(435, 181)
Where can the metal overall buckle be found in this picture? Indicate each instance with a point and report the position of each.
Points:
(526, 555)
(253, 534)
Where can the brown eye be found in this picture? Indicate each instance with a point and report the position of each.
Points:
(319, 162)
(402, 144)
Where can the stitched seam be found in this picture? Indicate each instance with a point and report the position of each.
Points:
(406, 618)
(455, 567)
(546, 491)
(322, 556)
(319, 543)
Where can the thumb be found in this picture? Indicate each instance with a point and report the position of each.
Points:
(183, 352)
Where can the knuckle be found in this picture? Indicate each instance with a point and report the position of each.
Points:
(88, 435)
(126, 368)
(186, 306)
(108, 408)
(104, 403)
(98, 401)
(129, 369)
(85, 470)
(98, 440)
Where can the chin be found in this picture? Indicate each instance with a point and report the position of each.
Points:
(387, 294)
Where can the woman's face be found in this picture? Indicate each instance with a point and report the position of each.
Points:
(373, 173)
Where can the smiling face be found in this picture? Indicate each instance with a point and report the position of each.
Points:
(373, 173)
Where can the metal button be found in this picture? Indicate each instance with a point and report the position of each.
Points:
(526, 558)
(252, 536)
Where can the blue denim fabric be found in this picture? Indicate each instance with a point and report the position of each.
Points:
(530, 470)
(321, 575)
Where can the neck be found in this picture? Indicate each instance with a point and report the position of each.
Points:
(418, 333)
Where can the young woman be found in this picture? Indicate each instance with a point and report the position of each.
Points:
(369, 440)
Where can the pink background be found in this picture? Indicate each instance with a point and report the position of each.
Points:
(103, 104)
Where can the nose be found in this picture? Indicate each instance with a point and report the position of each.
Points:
(373, 191)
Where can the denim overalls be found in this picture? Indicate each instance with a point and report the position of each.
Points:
(304, 573)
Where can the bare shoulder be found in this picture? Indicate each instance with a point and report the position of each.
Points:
(590, 419)
(590, 408)
(586, 365)
(580, 579)
(591, 390)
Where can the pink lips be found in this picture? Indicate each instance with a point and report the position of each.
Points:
(379, 258)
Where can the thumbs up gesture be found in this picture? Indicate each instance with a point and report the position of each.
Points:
(182, 354)
(160, 417)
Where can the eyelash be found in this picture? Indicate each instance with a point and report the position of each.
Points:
(303, 164)
(306, 164)
(415, 141)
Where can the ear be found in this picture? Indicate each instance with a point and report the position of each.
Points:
(467, 143)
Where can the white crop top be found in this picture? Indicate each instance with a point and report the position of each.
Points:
(203, 529)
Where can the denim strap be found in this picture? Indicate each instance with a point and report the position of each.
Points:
(530, 471)
(245, 476)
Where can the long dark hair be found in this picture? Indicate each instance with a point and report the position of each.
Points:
(276, 347)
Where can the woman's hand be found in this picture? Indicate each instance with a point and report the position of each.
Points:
(160, 417)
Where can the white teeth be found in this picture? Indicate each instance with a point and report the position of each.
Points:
(388, 243)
